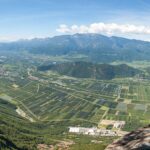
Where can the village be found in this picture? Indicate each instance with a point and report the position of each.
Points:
(101, 131)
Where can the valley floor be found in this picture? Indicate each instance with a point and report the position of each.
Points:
(37, 108)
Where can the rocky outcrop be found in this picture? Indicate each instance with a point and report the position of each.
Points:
(135, 140)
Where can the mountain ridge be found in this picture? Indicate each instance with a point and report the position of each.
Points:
(97, 47)
(90, 70)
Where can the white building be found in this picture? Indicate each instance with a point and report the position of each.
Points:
(92, 131)
(74, 129)
(119, 124)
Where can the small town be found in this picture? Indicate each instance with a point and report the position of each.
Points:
(94, 131)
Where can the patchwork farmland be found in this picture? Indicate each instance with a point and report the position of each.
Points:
(40, 106)
(65, 98)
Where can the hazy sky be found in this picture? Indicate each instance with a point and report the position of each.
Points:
(45, 18)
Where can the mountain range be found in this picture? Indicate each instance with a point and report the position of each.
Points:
(98, 48)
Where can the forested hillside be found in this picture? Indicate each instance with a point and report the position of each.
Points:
(90, 70)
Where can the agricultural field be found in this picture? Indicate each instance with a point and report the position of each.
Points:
(51, 99)
(73, 99)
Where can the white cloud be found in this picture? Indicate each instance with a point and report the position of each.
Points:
(105, 28)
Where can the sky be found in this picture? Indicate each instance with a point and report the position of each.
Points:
(26, 19)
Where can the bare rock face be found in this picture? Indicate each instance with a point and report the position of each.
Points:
(135, 140)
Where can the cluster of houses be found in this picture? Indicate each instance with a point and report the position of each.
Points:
(3, 72)
(33, 78)
(119, 125)
(114, 123)
(7, 73)
(92, 131)
(102, 131)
